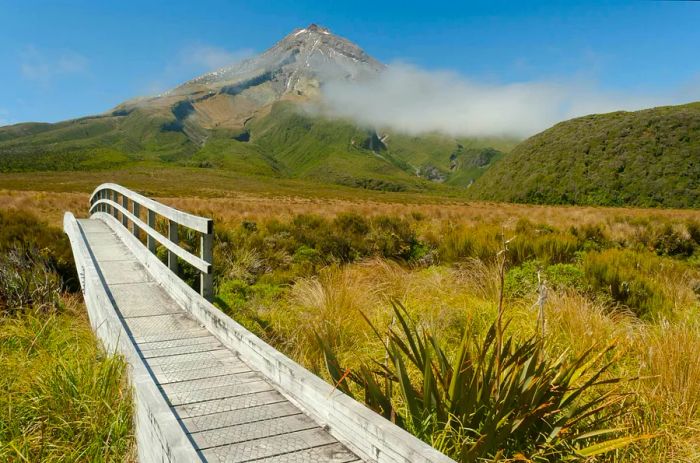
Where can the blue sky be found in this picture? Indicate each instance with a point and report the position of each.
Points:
(66, 59)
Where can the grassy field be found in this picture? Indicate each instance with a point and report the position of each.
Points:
(313, 270)
(64, 399)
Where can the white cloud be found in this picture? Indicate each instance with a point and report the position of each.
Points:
(413, 100)
(42, 67)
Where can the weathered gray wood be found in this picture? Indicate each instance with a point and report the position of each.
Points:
(175, 239)
(193, 377)
(200, 224)
(246, 415)
(159, 435)
(269, 447)
(172, 247)
(101, 200)
(250, 431)
(107, 194)
(136, 210)
(367, 434)
(150, 242)
(207, 254)
(125, 205)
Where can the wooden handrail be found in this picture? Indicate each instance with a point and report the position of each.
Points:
(194, 222)
(104, 199)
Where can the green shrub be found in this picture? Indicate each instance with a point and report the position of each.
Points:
(670, 242)
(594, 237)
(550, 248)
(27, 282)
(522, 280)
(624, 276)
(25, 232)
(455, 243)
(485, 401)
(693, 227)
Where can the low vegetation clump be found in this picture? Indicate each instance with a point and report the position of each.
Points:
(490, 397)
(64, 398)
(578, 379)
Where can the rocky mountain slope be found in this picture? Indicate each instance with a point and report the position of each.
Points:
(249, 117)
(642, 158)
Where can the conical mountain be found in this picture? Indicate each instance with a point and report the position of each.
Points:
(246, 118)
(293, 69)
(294, 65)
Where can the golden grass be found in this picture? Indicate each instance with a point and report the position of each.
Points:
(447, 299)
(63, 398)
(666, 355)
(231, 207)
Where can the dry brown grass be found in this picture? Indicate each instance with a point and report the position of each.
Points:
(231, 207)
(448, 299)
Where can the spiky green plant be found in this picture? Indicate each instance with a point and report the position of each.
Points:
(533, 407)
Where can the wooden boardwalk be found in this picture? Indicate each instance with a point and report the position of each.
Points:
(231, 412)
(205, 388)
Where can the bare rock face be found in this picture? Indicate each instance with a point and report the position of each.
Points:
(299, 62)
(294, 68)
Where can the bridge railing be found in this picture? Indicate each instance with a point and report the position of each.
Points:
(128, 206)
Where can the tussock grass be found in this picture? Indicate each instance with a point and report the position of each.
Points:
(64, 399)
(628, 277)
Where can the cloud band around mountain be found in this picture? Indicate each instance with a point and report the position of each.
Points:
(412, 100)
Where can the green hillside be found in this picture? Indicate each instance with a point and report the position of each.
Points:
(285, 142)
(643, 158)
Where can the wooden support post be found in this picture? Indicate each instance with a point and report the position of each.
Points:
(151, 223)
(125, 205)
(136, 210)
(172, 236)
(206, 287)
(109, 195)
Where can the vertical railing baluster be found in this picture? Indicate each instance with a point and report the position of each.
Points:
(151, 223)
(118, 203)
(125, 205)
(206, 287)
(172, 236)
(136, 210)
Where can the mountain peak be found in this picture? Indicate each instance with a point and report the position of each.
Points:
(313, 53)
(313, 27)
(296, 67)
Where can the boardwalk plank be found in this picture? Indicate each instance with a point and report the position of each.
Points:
(231, 412)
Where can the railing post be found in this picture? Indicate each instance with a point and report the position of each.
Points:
(109, 196)
(150, 242)
(172, 236)
(136, 210)
(206, 287)
(125, 205)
